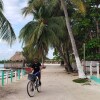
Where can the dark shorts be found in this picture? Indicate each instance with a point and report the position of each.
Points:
(39, 74)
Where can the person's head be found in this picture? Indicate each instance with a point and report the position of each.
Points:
(35, 60)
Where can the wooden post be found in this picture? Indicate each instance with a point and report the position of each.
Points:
(15, 75)
(7, 77)
(2, 78)
(11, 75)
(97, 70)
(91, 68)
(19, 74)
(24, 72)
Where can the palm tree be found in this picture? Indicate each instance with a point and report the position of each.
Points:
(62, 46)
(41, 25)
(79, 66)
(6, 30)
(39, 32)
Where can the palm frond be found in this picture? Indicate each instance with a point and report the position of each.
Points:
(26, 32)
(33, 6)
(1, 5)
(80, 5)
(6, 30)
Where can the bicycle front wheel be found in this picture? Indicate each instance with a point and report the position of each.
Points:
(30, 88)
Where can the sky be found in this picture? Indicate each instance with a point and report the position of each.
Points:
(13, 12)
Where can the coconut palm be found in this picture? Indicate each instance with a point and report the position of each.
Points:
(33, 6)
(62, 46)
(79, 66)
(6, 30)
(41, 30)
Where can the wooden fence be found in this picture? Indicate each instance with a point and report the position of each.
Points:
(11, 74)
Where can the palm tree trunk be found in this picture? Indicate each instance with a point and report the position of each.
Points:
(68, 60)
(67, 64)
(79, 66)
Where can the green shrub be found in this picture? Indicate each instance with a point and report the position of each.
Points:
(80, 80)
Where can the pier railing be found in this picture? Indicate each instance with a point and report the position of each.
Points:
(10, 75)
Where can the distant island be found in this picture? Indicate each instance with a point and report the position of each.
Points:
(4, 61)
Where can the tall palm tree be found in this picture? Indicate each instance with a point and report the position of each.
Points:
(33, 6)
(6, 30)
(41, 30)
(79, 66)
(62, 46)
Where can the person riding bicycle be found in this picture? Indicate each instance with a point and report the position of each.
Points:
(36, 65)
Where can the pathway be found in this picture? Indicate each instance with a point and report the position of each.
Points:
(56, 85)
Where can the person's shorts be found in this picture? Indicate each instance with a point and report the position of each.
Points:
(39, 74)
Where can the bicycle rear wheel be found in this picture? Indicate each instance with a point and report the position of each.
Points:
(31, 88)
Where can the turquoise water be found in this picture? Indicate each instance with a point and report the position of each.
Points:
(94, 78)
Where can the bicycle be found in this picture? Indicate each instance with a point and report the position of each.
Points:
(33, 84)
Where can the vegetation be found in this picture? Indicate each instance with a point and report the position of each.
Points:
(4, 61)
(88, 28)
(79, 80)
(48, 29)
(6, 30)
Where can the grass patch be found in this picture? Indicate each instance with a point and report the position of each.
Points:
(87, 83)
(80, 80)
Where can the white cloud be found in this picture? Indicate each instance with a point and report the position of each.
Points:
(13, 11)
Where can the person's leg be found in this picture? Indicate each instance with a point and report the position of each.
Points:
(39, 76)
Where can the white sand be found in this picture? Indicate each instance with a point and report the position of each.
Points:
(56, 85)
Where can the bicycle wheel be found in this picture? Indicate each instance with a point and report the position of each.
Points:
(30, 88)
(38, 86)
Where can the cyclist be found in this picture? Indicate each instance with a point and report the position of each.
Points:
(36, 65)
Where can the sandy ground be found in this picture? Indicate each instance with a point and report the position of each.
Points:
(56, 85)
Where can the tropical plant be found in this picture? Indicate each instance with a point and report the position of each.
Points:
(80, 68)
(6, 30)
(39, 33)
(86, 29)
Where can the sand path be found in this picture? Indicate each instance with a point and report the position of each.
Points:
(56, 85)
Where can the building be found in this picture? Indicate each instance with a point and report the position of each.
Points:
(16, 61)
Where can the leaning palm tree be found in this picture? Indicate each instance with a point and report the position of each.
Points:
(39, 32)
(6, 30)
(79, 66)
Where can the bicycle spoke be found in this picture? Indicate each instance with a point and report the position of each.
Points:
(30, 88)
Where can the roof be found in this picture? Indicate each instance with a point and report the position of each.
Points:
(18, 56)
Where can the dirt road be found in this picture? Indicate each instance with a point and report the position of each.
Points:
(56, 85)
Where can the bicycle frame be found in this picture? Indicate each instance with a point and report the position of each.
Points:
(34, 84)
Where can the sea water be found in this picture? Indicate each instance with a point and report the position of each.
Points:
(1, 67)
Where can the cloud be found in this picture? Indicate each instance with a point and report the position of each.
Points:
(13, 11)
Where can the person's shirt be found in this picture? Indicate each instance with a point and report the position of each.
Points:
(36, 67)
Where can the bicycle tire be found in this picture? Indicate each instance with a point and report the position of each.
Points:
(31, 88)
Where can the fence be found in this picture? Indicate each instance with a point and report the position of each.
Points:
(10, 74)
(97, 69)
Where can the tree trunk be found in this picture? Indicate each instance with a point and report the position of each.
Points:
(67, 64)
(68, 60)
(42, 60)
(79, 66)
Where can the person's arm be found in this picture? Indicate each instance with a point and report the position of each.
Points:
(32, 67)
(42, 67)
